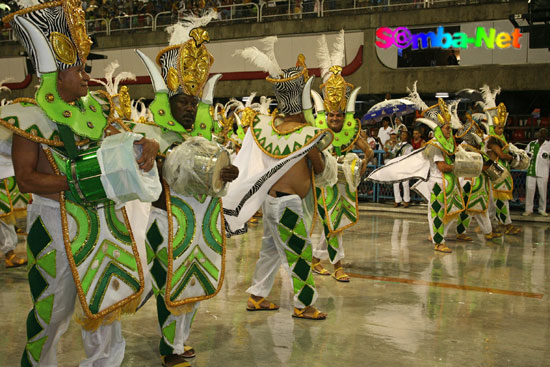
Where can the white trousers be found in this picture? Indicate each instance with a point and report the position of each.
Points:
(273, 252)
(320, 246)
(8, 237)
(406, 192)
(534, 183)
(105, 346)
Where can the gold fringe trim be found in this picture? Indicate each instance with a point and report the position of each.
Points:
(93, 324)
(448, 218)
(503, 195)
(131, 307)
(180, 310)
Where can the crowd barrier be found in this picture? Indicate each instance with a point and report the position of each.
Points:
(378, 193)
(265, 11)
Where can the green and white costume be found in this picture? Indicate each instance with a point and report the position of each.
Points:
(537, 174)
(476, 199)
(337, 205)
(185, 242)
(74, 251)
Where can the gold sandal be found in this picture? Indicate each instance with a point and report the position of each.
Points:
(321, 271)
(12, 261)
(511, 229)
(177, 364)
(463, 237)
(342, 277)
(258, 307)
(491, 235)
(188, 352)
(442, 248)
(300, 314)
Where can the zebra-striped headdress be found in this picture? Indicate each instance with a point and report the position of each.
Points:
(62, 24)
(288, 83)
(185, 63)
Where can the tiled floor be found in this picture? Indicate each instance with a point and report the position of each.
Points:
(486, 304)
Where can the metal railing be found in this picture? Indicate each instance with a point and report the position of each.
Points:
(131, 22)
(252, 12)
(235, 12)
(97, 26)
(6, 35)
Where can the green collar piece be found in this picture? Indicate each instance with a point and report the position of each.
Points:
(492, 133)
(162, 115)
(85, 118)
(447, 144)
(344, 139)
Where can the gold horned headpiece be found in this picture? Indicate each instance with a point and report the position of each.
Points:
(185, 63)
(62, 23)
(335, 89)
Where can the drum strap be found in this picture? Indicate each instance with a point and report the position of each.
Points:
(67, 137)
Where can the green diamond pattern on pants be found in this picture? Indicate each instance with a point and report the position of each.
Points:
(436, 207)
(35, 348)
(502, 211)
(169, 332)
(298, 254)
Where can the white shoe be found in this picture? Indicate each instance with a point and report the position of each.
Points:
(526, 214)
(544, 214)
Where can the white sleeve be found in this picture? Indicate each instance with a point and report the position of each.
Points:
(438, 156)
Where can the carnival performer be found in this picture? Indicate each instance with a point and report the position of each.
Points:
(537, 173)
(76, 249)
(475, 190)
(13, 203)
(278, 156)
(434, 166)
(186, 232)
(400, 149)
(499, 151)
(336, 112)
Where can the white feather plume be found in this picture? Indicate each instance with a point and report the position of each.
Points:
(27, 3)
(265, 104)
(327, 59)
(339, 46)
(269, 50)
(261, 60)
(323, 56)
(250, 99)
(179, 32)
(414, 97)
(140, 111)
(110, 84)
(489, 97)
(453, 110)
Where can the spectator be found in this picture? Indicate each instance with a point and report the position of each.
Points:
(400, 149)
(390, 144)
(417, 141)
(537, 173)
(384, 132)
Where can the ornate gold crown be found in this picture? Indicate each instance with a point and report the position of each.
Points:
(335, 90)
(187, 66)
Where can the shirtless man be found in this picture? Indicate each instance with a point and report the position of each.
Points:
(283, 213)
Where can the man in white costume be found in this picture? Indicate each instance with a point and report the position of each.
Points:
(75, 248)
(537, 173)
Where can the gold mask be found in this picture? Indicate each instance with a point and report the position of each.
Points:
(195, 62)
(335, 91)
(76, 19)
(502, 115)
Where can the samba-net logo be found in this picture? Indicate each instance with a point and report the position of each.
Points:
(402, 37)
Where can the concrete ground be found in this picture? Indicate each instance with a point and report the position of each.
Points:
(486, 304)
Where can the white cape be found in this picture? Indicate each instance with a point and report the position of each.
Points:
(409, 166)
(258, 172)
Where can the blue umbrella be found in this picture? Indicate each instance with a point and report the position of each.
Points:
(389, 107)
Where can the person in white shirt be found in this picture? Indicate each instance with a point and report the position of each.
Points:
(537, 173)
(400, 149)
(384, 131)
